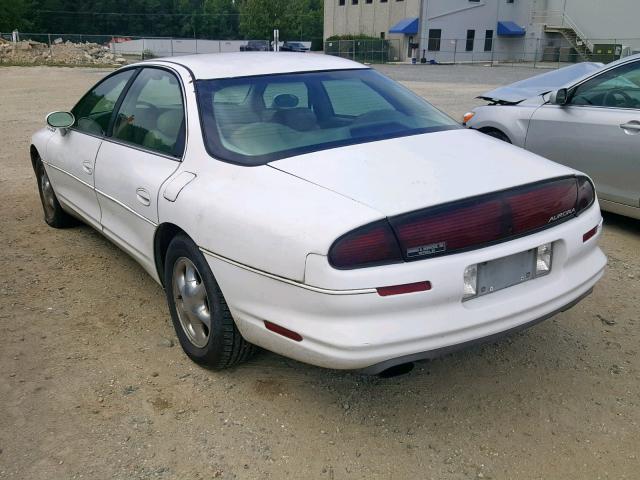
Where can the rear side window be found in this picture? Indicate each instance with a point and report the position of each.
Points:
(152, 113)
(93, 112)
(352, 98)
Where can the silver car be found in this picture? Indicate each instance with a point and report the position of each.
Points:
(586, 116)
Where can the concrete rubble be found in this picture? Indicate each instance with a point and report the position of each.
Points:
(60, 52)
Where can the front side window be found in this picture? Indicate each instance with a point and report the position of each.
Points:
(152, 113)
(255, 120)
(93, 111)
(617, 88)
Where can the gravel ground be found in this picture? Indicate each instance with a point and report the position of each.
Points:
(92, 384)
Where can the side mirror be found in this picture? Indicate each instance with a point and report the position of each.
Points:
(559, 97)
(62, 120)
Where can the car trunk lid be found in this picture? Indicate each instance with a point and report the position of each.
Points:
(408, 173)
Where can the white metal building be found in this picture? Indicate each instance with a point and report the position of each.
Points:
(481, 30)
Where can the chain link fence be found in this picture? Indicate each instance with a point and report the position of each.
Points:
(528, 51)
(525, 51)
(77, 49)
(365, 51)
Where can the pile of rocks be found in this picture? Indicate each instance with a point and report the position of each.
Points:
(59, 52)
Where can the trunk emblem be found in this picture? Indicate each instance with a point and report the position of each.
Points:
(562, 215)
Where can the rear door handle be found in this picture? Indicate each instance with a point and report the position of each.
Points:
(143, 197)
(87, 166)
(634, 125)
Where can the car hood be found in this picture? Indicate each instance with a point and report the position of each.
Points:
(541, 84)
(408, 173)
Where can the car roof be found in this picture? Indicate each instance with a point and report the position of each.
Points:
(245, 64)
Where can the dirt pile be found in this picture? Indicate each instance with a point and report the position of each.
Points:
(59, 52)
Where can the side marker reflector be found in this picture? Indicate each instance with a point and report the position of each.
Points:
(590, 234)
(400, 289)
(285, 332)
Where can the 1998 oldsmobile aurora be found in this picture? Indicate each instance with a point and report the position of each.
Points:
(311, 206)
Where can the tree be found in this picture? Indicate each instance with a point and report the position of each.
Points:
(296, 19)
(14, 14)
(220, 19)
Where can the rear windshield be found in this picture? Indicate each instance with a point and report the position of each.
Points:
(255, 120)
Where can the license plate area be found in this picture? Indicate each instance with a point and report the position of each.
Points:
(505, 272)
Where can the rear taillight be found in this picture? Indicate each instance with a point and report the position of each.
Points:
(586, 194)
(373, 244)
(464, 225)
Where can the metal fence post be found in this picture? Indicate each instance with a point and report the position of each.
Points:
(535, 57)
(493, 48)
(50, 49)
(455, 49)
(171, 40)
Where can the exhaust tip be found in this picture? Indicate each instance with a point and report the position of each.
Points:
(397, 370)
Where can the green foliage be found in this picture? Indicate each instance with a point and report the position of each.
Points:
(217, 19)
(15, 14)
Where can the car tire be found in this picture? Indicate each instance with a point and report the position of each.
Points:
(54, 215)
(496, 134)
(201, 317)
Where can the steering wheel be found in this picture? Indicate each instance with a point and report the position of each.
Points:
(611, 98)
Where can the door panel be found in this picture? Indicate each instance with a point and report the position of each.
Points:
(592, 140)
(143, 152)
(72, 156)
(71, 161)
(127, 183)
(598, 132)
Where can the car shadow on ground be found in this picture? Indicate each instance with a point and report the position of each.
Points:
(620, 222)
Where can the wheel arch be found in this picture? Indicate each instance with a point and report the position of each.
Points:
(162, 238)
(489, 130)
(35, 156)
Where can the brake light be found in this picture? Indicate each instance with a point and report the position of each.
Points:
(464, 225)
(586, 194)
(373, 244)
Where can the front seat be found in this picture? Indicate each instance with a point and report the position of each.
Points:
(164, 137)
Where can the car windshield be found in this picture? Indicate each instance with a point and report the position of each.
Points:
(256, 120)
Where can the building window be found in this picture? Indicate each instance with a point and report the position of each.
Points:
(510, 1)
(434, 40)
(471, 36)
(341, 3)
(368, 1)
(354, 2)
(488, 41)
(474, 1)
(381, 35)
(383, 1)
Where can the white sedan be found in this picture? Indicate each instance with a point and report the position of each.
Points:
(311, 206)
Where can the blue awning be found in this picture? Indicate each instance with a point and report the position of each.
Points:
(408, 26)
(510, 29)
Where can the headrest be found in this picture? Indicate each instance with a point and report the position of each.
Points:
(286, 100)
(169, 123)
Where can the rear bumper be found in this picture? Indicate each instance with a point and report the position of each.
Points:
(349, 326)
(380, 367)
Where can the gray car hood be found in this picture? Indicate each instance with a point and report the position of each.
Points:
(540, 84)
